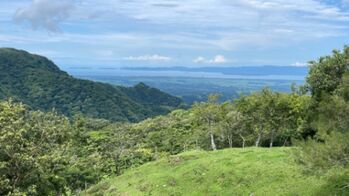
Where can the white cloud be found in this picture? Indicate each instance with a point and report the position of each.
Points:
(231, 25)
(163, 26)
(199, 59)
(300, 64)
(218, 59)
(224, 25)
(46, 14)
(211, 12)
(154, 57)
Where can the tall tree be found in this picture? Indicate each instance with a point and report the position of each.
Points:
(209, 113)
(328, 81)
(232, 124)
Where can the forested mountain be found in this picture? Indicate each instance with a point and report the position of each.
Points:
(40, 84)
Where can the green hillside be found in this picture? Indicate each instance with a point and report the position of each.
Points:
(40, 84)
(249, 171)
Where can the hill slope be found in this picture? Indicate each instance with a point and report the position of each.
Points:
(39, 83)
(227, 172)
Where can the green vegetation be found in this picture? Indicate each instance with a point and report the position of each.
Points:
(225, 172)
(38, 83)
(328, 82)
(33, 149)
(50, 154)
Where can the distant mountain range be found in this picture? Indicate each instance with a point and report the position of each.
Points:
(40, 84)
(245, 71)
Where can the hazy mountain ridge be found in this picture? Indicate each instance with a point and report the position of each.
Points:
(39, 83)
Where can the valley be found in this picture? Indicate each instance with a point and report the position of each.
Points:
(198, 88)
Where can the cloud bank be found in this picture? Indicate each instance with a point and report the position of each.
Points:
(46, 14)
(154, 57)
(254, 31)
(300, 64)
(218, 59)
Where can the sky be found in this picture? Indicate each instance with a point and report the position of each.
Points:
(196, 33)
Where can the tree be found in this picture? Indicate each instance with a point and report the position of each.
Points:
(293, 110)
(209, 113)
(256, 112)
(325, 75)
(33, 148)
(232, 124)
(271, 115)
(328, 82)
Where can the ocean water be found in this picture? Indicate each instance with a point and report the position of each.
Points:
(117, 72)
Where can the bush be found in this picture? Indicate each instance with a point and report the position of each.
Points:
(323, 155)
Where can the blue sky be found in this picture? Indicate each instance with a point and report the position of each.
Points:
(93, 33)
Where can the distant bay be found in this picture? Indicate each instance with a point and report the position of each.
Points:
(195, 84)
(258, 72)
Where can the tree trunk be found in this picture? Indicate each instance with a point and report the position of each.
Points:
(258, 139)
(213, 144)
(271, 140)
(243, 141)
(59, 193)
(230, 140)
(285, 142)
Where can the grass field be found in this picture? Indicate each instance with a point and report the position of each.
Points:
(249, 171)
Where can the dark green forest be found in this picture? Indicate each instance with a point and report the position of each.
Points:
(85, 139)
(40, 84)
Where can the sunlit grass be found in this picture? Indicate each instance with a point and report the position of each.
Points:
(247, 171)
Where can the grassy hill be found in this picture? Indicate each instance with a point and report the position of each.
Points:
(40, 84)
(225, 172)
